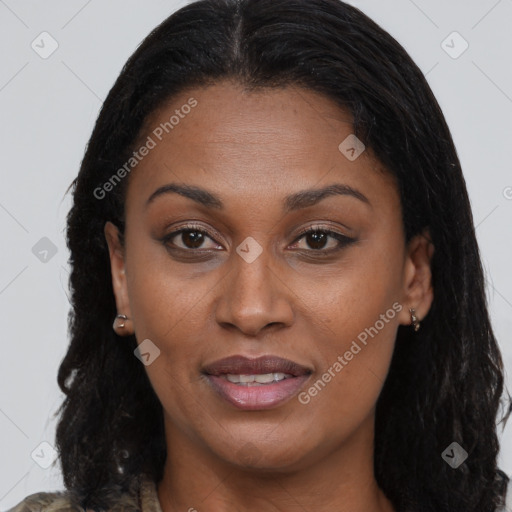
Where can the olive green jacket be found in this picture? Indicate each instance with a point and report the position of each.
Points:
(146, 500)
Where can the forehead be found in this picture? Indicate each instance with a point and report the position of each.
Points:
(266, 141)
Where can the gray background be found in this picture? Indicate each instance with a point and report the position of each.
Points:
(48, 108)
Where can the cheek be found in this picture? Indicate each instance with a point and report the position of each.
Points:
(359, 312)
(170, 313)
(347, 386)
(162, 301)
(353, 296)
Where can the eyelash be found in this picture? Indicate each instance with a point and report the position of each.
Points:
(343, 240)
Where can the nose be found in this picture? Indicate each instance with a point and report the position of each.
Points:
(254, 296)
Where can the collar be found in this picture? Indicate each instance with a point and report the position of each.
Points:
(148, 496)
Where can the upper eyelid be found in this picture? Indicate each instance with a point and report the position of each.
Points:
(317, 227)
(301, 234)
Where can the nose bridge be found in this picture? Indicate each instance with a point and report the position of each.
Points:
(253, 296)
(251, 283)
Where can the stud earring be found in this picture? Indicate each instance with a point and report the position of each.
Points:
(119, 321)
(414, 319)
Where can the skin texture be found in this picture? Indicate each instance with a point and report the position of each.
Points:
(251, 150)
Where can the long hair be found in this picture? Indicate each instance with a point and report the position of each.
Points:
(445, 382)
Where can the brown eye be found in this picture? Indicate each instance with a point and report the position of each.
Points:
(189, 238)
(318, 239)
(192, 239)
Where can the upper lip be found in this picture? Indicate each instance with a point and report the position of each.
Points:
(241, 365)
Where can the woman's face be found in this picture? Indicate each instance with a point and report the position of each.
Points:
(253, 285)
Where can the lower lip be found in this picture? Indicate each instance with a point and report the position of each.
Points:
(253, 398)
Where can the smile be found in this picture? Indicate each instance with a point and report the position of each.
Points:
(257, 380)
(256, 384)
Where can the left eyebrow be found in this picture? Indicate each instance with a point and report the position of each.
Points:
(310, 197)
(296, 201)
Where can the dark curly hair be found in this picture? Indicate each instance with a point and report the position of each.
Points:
(445, 382)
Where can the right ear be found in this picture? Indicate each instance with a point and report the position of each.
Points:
(119, 285)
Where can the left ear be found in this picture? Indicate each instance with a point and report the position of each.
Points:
(418, 289)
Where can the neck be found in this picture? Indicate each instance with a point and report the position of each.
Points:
(196, 479)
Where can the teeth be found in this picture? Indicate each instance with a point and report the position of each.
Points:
(268, 377)
(255, 380)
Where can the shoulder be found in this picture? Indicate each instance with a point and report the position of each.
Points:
(507, 493)
(47, 502)
(144, 498)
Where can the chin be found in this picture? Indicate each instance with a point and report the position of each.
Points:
(266, 458)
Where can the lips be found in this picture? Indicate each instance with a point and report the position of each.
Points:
(256, 384)
(241, 365)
